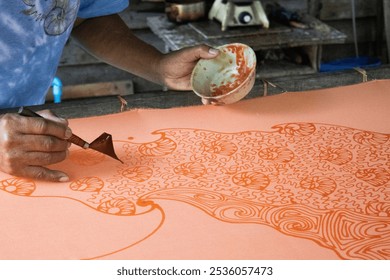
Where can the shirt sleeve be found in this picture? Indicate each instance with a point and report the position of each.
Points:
(96, 8)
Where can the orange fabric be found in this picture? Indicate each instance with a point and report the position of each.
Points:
(294, 176)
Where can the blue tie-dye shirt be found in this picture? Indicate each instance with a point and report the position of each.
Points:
(32, 36)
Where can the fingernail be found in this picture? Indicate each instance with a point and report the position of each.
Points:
(213, 51)
(64, 179)
(68, 133)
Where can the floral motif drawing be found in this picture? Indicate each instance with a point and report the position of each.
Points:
(57, 15)
(326, 183)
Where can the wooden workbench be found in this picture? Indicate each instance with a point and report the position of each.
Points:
(305, 42)
(177, 36)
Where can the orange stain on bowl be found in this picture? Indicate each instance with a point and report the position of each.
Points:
(237, 79)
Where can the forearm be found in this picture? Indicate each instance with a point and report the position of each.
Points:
(109, 39)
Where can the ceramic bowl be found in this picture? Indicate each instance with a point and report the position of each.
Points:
(227, 78)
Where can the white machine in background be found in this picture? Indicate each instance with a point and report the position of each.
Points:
(232, 13)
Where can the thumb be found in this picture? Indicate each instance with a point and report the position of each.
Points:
(43, 173)
(211, 53)
(201, 51)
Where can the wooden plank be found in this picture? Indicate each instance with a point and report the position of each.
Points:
(333, 52)
(314, 7)
(365, 29)
(300, 6)
(108, 105)
(101, 72)
(211, 29)
(341, 9)
(272, 69)
(122, 88)
(386, 11)
(74, 54)
(147, 6)
(91, 73)
(136, 19)
(332, 79)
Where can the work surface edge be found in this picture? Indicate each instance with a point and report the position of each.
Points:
(97, 106)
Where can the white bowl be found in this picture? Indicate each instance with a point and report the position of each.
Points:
(227, 78)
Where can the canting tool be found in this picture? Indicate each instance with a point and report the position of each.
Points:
(102, 144)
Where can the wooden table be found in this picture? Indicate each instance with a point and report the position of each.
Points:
(310, 41)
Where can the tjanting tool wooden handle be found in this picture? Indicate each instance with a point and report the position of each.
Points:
(26, 112)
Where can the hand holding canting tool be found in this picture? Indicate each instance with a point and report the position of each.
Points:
(102, 144)
(28, 146)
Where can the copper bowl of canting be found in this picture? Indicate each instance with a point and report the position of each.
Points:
(227, 78)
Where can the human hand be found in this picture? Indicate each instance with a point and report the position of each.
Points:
(176, 67)
(28, 144)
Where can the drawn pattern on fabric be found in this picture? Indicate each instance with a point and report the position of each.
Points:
(326, 183)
